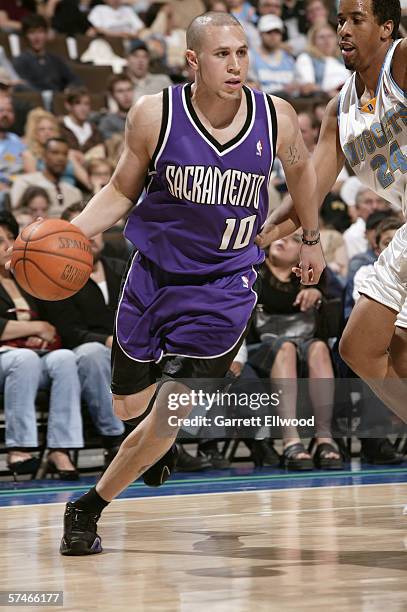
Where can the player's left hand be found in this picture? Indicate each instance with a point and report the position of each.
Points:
(268, 234)
(311, 265)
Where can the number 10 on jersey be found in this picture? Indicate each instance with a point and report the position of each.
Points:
(238, 233)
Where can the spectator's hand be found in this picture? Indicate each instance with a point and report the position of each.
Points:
(36, 342)
(8, 260)
(307, 298)
(45, 331)
(109, 341)
(76, 156)
(236, 368)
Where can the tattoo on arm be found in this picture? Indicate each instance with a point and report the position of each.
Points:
(293, 156)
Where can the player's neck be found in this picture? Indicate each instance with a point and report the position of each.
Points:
(218, 111)
(369, 77)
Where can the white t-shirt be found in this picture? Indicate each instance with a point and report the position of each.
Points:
(355, 238)
(122, 19)
(82, 132)
(103, 287)
(335, 73)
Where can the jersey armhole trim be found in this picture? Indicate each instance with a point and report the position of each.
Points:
(164, 129)
(338, 108)
(273, 116)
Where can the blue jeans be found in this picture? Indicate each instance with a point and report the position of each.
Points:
(93, 359)
(22, 373)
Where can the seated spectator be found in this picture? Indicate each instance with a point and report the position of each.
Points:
(80, 134)
(34, 203)
(334, 249)
(295, 21)
(214, 5)
(85, 323)
(316, 13)
(364, 258)
(185, 11)
(243, 11)
(31, 359)
(69, 17)
(13, 12)
(61, 194)
(160, 26)
(138, 69)
(367, 201)
(320, 67)
(100, 172)
(273, 7)
(309, 130)
(285, 353)
(271, 66)
(11, 148)
(120, 88)
(43, 71)
(113, 18)
(8, 76)
(270, 7)
(40, 127)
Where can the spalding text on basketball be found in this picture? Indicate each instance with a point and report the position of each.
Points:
(71, 243)
(73, 275)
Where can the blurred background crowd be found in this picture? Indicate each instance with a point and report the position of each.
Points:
(69, 72)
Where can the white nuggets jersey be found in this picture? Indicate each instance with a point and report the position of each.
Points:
(374, 137)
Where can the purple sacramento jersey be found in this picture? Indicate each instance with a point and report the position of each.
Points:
(189, 290)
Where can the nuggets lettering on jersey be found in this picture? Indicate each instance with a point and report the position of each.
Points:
(374, 137)
(205, 201)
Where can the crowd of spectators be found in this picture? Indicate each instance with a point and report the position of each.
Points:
(69, 72)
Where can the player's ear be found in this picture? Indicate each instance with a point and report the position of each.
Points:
(387, 30)
(192, 59)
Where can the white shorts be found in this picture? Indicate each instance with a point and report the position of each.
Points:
(387, 283)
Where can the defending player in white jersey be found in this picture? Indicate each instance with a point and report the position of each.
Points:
(367, 125)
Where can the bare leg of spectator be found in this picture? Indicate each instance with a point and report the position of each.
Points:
(285, 367)
(321, 391)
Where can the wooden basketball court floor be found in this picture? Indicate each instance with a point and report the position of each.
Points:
(235, 541)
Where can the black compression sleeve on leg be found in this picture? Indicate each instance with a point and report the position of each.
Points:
(132, 423)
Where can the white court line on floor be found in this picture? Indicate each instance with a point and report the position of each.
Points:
(218, 516)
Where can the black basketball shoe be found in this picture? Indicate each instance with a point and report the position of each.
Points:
(158, 473)
(80, 537)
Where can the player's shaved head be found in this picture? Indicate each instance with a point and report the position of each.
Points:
(199, 26)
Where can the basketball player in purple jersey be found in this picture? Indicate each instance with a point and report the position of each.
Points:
(204, 154)
(367, 125)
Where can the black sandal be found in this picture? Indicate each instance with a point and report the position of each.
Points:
(290, 460)
(323, 462)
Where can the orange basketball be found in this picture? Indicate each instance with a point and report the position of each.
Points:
(52, 259)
